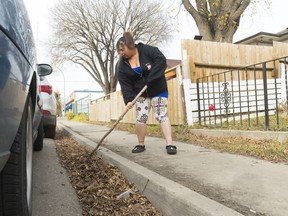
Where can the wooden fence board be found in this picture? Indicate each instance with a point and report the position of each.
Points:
(207, 58)
(100, 111)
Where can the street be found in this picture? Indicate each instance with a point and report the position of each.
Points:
(52, 191)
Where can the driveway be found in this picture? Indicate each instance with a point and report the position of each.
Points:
(52, 191)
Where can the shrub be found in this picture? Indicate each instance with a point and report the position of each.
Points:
(70, 115)
(82, 117)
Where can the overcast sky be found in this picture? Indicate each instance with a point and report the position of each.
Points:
(271, 20)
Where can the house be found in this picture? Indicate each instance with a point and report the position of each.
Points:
(265, 38)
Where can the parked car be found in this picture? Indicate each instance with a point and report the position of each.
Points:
(49, 108)
(20, 108)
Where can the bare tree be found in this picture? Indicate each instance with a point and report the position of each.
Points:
(218, 20)
(86, 32)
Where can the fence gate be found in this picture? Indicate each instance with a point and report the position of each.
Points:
(243, 96)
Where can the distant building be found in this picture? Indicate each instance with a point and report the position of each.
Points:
(78, 95)
(265, 38)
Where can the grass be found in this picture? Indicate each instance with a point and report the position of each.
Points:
(253, 124)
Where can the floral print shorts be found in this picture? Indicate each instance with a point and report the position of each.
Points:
(143, 106)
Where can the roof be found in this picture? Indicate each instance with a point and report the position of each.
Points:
(173, 62)
(265, 37)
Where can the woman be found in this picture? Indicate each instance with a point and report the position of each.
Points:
(141, 65)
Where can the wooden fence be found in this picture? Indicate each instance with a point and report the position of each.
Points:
(207, 58)
(110, 107)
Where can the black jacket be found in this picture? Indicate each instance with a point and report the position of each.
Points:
(153, 65)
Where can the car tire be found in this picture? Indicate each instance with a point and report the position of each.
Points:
(38, 144)
(16, 176)
(50, 132)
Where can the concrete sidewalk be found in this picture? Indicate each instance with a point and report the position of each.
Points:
(196, 181)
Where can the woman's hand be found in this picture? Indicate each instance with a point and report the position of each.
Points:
(129, 105)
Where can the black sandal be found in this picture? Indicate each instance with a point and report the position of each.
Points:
(171, 149)
(138, 149)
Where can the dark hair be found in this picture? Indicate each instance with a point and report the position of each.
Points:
(126, 39)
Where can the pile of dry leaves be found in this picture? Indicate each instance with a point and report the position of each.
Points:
(99, 184)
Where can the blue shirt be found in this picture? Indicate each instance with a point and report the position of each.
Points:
(139, 71)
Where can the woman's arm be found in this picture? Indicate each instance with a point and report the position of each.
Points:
(158, 65)
(126, 87)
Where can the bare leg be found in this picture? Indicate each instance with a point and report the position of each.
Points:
(160, 108)
(141, 133)
(166, 130)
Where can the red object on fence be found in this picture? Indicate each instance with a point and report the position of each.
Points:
(211, 107)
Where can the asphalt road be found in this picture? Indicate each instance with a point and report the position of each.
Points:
(52, 191)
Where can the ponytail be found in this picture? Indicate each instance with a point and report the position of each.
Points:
(127, 40)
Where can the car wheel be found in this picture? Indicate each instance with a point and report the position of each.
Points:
(38, 144)
(16, 177)
(50, 132)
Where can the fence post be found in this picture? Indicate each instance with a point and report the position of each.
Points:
(265, 96)
(186, 80)
(198, 100)
(286, 82)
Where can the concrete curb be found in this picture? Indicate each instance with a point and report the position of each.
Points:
(168, 196)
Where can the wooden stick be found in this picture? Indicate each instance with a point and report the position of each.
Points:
(116, 123)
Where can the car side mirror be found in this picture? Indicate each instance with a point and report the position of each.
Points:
(44, 69)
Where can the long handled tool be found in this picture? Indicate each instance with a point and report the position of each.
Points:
(115, 124)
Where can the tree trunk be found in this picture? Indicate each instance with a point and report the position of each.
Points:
(217, 20)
